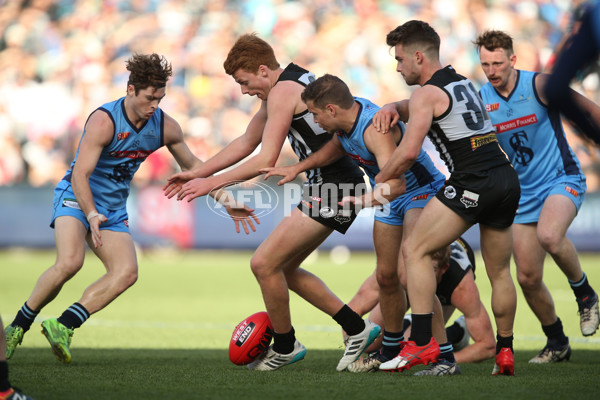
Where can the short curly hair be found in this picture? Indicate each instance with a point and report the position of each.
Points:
(493, 40)
(147, 70)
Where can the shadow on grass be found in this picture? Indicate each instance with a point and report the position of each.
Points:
(208, 374)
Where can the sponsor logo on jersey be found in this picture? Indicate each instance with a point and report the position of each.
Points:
(362, 160)
(126, 223)
(71, 203)
(572, 191)
(122, 135)
(469, 199)
(478, 141)
(516, 123)
(149, 133)
(492, 107)
(420, 197)
(130, 153)
(450, 192)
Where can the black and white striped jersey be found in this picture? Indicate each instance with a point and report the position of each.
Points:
(464, 135)
(306, 137)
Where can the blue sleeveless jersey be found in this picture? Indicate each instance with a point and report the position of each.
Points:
(423, 172)
(111, 179)
(531, 134)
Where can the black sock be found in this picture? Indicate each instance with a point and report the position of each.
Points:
(447, 352)
(455, 333)
(4, 383)
(421, 329)
(555, 333)
(502, 342)
(74, 316)
(350, 321)
(25, 317)
(390, 346)
(283, 343)
(582, 288)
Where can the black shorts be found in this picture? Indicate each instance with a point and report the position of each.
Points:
(320, 202)
(489, 197)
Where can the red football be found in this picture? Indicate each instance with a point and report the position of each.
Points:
(250, 338)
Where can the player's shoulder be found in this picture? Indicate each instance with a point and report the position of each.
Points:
(172, 129)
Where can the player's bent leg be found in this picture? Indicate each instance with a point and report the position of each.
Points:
(274, 253)
(117, 253)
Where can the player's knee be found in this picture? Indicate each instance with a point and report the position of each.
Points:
(67, 267)
(550, 241)
(259, 265)
(388, 280)
(128, 278)
(529, 281)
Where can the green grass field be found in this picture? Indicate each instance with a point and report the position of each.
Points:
(167, 337)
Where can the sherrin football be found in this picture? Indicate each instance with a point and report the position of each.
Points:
(250, 338)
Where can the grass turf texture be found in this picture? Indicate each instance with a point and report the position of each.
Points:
(167, 337)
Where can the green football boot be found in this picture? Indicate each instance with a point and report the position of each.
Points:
(14, 336)
(59, 337)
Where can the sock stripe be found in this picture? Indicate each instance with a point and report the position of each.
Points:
(80, 312)
(28, 312)
(578, 283)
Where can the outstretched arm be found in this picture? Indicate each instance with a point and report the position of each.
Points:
(240, 213)
(329, 153)
(231, 154)
(280, 111)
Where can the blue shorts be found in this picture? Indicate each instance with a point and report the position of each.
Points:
(64, 203)
(393, 212)
(531, 203)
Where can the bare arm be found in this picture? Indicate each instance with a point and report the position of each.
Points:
(421, 110)
(280, 110)
(328, 154)
(382, 147)
(235, 151)
(240, 213)
(99, 132)
(466, 299)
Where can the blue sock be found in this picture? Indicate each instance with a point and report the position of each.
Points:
(74, 316)
(25, 317)
(390, 346)
(582, 288)
(447, 352)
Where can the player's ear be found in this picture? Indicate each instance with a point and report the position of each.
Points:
(263, 71)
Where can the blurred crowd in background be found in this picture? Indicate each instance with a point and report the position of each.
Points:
(61, 59)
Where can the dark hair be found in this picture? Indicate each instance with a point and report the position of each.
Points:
(328, 89)
(147, 70)
(416, 32)
(493, 40)
(248, 53)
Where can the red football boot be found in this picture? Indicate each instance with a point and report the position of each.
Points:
(412, 355)
(505, 362)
